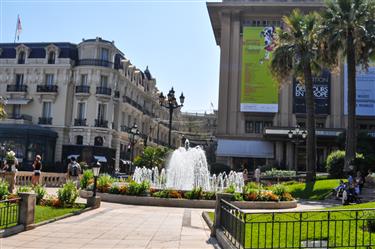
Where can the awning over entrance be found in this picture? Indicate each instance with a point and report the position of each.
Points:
(75, 156)
(245, 148)
(17, 101)
(101, 159)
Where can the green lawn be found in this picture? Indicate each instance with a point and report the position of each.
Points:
(287, 231)
(318, 190)
(43, 213)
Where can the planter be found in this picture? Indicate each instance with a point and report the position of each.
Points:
(85, 193)
(165, 202)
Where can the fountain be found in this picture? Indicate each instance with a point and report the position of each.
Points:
(187, 169)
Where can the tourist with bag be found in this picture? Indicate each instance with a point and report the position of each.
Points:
(74, 170)
(37, 165)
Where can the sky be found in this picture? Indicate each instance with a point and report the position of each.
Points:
(173, 38)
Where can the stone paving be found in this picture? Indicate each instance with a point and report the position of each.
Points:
(120, 226)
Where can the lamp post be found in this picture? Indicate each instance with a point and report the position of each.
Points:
(171, 104)
(2, 149)
(134, 135)
(295, 135)
(95, 170)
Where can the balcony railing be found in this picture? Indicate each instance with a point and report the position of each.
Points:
(117, 94)
(82, 89)
(16, 88)
(95, 62)
(47, 88)
(20, 116)
(133, 103)
(45, 120)
(103, 90)
(101, 123)
(79, 122)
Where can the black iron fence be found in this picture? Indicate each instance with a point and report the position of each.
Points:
(9, 212)
(344, 228)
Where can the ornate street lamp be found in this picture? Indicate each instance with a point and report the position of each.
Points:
(295, 135)
(170, 103)
(134, 135)
(95, 170)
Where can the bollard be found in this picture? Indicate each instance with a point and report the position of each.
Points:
(27, 209)
(93, 201)
(219, 197)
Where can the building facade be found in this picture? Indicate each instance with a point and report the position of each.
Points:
(85, 96)
(256, 113)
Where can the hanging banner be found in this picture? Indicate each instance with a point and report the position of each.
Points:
(322, 92)
(259, 91)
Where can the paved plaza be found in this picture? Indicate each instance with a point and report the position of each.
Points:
(120, 226)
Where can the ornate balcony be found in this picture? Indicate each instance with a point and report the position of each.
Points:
(45, 120)
(47, 88)
(103, 90)
(95, 62)
(80, 122)
(20, 117)
(101, 123)
(16, 88)
(83, 89)
(133, 103)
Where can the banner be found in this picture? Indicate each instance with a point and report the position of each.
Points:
(322, 92)
(365, 86)
(259, 91)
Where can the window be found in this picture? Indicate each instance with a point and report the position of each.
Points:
(16, 110)
(51, 57)
(104, 55)
(258, 127)
(363, 126)
(102, 111)
(46, 110)
(79, 139)
(19, 79)
(49, 79)
(249, 127)
(103, 81)
(81, 108)
(21, 57)
(267, 124)
(83, 79)
(319, 125)
(98, 141)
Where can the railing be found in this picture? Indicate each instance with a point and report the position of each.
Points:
(82, 89)
(305, 229)
(126, 99)
(45, 120)
(103, 90)
(9, 212)
(95, 62)
(16, 88)
(20, 116)
(101, 123)
(80, 122)
(23, 178)
(46, 88)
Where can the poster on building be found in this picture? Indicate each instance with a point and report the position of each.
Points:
(365, 86)
(322, 92)
(259, 91)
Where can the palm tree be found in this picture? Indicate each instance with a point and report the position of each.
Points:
(348, 29)
(296, 55)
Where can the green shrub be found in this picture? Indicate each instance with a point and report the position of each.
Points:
(279, 189)
(24, 189)
(238, 197)
(230, 190)
(209, 196)
(194, 194)
(335, 163)
(68, 194)
(168, 193)
(86, 178)
(104, 183)
(137, 189)
(114, 189)
(161, 194)
(84, 166)
(3, 188)
(279, 173)
(40, 192)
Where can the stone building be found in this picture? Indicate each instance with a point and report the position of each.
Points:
(77, 100)
(256, 113)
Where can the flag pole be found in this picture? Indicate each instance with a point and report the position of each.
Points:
(15, 33)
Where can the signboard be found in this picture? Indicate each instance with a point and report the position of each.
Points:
(365, 86)
(322, 92)
(259, 91)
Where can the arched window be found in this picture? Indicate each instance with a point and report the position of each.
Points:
(51, 57)
(79, 140)
(98, 141)
(21, 57)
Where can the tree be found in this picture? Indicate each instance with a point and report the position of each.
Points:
(152, 157)
(348, 29)
(296, 55)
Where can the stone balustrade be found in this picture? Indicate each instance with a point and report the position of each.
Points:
(47, 179)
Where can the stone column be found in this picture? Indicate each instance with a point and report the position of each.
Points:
(10, 177)
(217, 220)
(27, 209)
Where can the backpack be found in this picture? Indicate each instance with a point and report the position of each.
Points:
(74, 169)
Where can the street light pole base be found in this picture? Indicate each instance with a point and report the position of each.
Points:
(93, 201)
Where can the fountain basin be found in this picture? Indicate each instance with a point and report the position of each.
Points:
(186, 203)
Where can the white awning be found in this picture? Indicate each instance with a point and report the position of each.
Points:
(17, 101)
(101, 159)
(75, 156)
(245, 148)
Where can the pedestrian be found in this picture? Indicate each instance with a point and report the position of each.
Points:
(257, 175)
(245, 174)
(359, 181)
(74, 170)
(37, 166)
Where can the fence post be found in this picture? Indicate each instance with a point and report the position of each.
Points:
(217, 220)
(27, 209)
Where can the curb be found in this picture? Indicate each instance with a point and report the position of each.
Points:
(207, 219)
